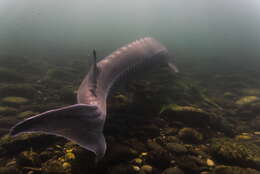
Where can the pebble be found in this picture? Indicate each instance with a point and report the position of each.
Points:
(173, 170)
(136, 168)
(243, 137)
(147, 168)
(66, 165)
(172, 139)
(153, 145)
(257, 133)
(210, 163)
(176, 148)
(144, 154)
(137, 161)
(70, 156)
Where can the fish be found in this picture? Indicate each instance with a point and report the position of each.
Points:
(83, 123)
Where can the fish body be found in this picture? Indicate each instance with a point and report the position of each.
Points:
(83, 123)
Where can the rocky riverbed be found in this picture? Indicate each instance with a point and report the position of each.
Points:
(158, 123)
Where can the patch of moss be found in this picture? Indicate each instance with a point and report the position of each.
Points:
(14, 101)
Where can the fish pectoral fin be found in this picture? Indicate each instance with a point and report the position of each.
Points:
(80, 123)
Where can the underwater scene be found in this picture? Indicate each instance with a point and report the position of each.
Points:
(129, 87)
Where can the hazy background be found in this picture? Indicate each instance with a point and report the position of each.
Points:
(193, 30)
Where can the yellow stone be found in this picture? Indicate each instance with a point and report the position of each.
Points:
(69, 150)
(70, 156)
(66, 165)
(144, 154)
(138, 161)
(210, 163)
(257, 133)
(61, 159)
(243, 137)
(246, 100)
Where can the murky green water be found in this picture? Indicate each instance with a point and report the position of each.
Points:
(205, 119)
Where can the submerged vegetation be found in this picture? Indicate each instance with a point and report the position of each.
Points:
(158, 123)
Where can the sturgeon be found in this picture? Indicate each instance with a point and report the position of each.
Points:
(83, 123)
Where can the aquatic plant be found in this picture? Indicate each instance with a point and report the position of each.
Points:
(14, 101)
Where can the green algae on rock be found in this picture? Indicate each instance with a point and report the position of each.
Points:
(190, 163)
(178, 108)
(251, 91)
(247, 100)
(190, 115)
(53, 166)
(229, 95)
(29, 158)
(190, 135)
(235, 152)
(14, 101)
(26, 114)
(10, 145)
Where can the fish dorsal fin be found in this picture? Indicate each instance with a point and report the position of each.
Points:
(94, 60)
(95, 72)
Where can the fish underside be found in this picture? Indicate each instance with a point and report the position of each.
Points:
(83, 123)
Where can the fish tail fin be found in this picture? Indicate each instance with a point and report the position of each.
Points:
(80, 123)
